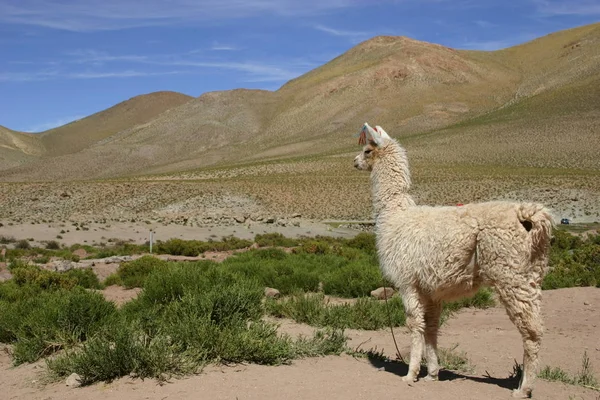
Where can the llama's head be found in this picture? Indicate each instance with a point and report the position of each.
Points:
(374, 141)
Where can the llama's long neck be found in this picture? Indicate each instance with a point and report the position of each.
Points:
(390, 180)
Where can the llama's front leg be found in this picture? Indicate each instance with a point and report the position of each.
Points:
(415, 322)
(432, 323)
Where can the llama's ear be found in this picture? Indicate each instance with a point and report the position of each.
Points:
(382, 132)
(373, 134)
(368, 134)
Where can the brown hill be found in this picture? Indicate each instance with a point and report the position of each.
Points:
(520, 106)
(82, 133)
(17, 148)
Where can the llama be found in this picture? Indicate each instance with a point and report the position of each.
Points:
(442, 253)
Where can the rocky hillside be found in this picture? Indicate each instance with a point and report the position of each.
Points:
(529, 105)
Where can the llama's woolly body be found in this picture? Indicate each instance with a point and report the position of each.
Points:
(434, 254)
(439, 249)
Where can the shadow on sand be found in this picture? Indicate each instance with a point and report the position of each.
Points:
(400, 368)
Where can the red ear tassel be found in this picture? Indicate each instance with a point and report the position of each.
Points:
(362, 139)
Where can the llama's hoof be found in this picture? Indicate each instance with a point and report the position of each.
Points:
(409, 378)
(521, 393)
(430, 378)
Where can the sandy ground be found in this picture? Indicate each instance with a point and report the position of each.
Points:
(97, 233)
(487, 336)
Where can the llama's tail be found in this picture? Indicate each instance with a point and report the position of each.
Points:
(538, 220)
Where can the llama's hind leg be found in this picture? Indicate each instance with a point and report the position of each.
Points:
(522, 304)
(432, 322)
(415, 322)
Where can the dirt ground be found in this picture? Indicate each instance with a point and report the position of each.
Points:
(572, 318)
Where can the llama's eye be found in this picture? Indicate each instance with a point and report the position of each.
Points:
(367, 151)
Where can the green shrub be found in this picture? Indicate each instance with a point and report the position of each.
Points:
(11, 292)
(563, 240)
(193, 248)
(84, 277)
(178, 247)
(53, 245)
(365, 313)
(134, 273)
(45, 280)
(270, 253)
(42, 260)
(346, 275)
(7, 239)
(186, 316)
(16, 263)
(275, 239)
(573, 262)
(315, 247)
(23, 244)
(363, 241)
(585, 377)
(51, 320)
(354, 279)
(113, 279)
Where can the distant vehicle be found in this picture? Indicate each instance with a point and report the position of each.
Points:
(565, 221)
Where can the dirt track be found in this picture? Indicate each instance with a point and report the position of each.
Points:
(487, 336)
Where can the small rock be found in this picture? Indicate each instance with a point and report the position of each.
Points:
(60, 265)
(81, 253)
(270, 220)
(240, 219)
(297, 215)
(585, 303)
(73, 380)
(383, 292)
(296, 223)
(281, 222)
(272, 293)
(117, 259)
(256, 217)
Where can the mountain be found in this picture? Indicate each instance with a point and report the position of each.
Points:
(530, 105)
(17, 148)
(82, 133)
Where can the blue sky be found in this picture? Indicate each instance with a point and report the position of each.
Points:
(61, 60)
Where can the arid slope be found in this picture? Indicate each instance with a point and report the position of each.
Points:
(530, 105)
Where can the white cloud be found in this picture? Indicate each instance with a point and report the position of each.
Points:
(101, 65)
(95, 15)
(27, 76)
(56, 75)
(486, 45)
(585, 8)
(118, 74)
(340, 32)
(99, 57)
(253, 71)
(53, 124)
(484, 24)
(491, 45)
(224, 47)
